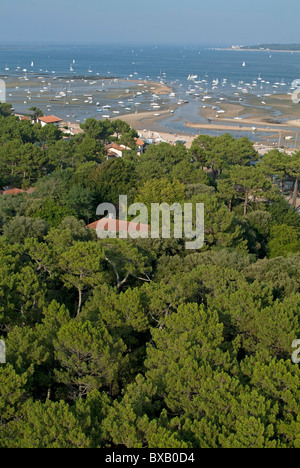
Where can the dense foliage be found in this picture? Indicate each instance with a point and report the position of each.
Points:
(141, 343)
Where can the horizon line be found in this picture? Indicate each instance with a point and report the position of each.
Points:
(151, 44)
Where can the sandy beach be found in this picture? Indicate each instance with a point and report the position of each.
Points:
(155, 88)
(168, 137)
(237, 128)
(147, 123)
(141, 120)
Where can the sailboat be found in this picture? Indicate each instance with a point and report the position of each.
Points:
(244, 64)
(32, 64)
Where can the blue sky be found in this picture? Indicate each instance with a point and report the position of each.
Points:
(155, 21)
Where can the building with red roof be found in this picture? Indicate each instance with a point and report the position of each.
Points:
(16, 191)
(117, 226)
(48, 119)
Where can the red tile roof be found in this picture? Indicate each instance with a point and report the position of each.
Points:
(49, 119)
(117, 147)
(139, 142)
(16, 191)
(116, 225)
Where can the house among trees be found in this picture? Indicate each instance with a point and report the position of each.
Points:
(141, 145)
(48, 119)
(116, 151)
(22, 117)
(117, 226)
(16, 191)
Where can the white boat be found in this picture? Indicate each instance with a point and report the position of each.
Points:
(244, 64)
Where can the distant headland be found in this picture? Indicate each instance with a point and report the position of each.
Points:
(268, 47)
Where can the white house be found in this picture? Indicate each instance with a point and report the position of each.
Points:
(49, 119)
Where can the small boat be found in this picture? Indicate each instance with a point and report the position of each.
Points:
(244, 64)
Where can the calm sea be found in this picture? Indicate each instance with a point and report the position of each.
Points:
(151, 61)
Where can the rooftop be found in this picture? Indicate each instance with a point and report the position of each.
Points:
(49, 119)
(115, 225)
(16, 191)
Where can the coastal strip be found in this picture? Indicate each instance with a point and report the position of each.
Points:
(258, 50)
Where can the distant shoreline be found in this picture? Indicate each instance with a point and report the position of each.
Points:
(260, 50)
